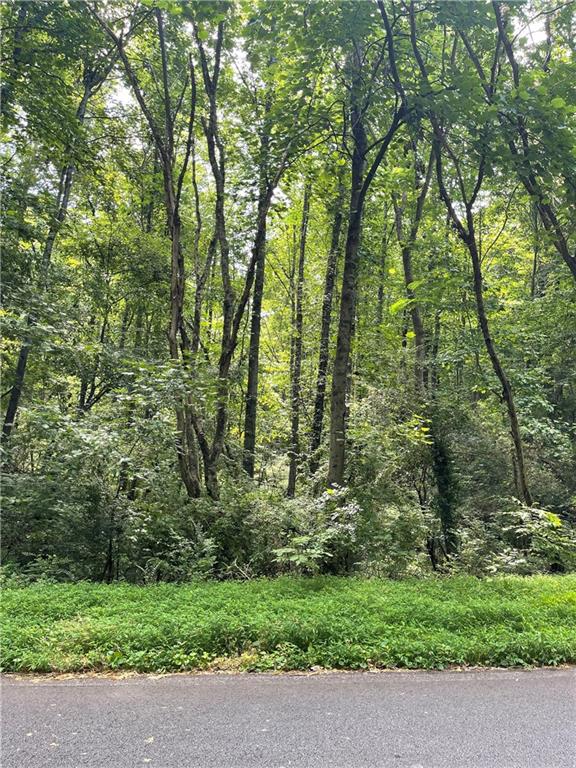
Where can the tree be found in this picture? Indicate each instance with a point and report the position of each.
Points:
(358, 70)
(296, 347)
(164, 140)
(96, 66)
(538, 179)
(465, 228)
(324, 343)
(237, 208)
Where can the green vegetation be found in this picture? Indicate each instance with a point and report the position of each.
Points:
(290, 623)
(289, 288)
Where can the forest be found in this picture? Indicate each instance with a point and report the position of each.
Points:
(288, 288)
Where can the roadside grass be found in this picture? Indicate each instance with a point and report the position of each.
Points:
(289, 624)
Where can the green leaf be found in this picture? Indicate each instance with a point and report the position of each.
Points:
(558, 103)
(399, 305)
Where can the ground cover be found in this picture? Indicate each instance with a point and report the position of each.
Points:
(290, 623)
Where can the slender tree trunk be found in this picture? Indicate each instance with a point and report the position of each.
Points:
(259, 255)
(16, 391)
(360, 185)
(446, 483)
(467, 235)
(324, 346)
(163, 136)
(202, 283)
(295, 390)
(186, 452)
(216, 156)
(497, 365)
(251, 400)
(425, 378)
(179, 343)
(347, 307)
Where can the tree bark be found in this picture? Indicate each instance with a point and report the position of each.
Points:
(251, 401)
(324, 346)
(360, 185)
(468, 236)
(497, 366)
(233, 307)
(259, 254)
(163, 136)
(295, 389)
(231, 316)
(16, 391)
(347, 301)
(179, 343)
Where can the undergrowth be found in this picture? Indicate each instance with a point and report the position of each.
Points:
(290, 623)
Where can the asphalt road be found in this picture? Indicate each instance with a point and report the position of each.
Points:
(487, 719)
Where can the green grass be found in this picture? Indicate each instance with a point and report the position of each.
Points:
(290, 623)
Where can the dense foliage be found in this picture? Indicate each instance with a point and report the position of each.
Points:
(288, 287)
(291, 623)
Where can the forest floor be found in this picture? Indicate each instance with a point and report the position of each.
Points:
(290, 623)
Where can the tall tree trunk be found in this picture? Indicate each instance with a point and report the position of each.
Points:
(467, 234)
(216, 156)
(186, 451)
(259, 254)
(251, 401)
(179, 343)
(445, 502)
(360, 184)
(163, 136)
(295, 389)
(233, 307)
(347, 305)
(324, 346)
(446, 483)
(497, 365)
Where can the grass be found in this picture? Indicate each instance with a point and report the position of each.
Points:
(290, 623)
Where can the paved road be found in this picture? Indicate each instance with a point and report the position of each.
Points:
(489, 719)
